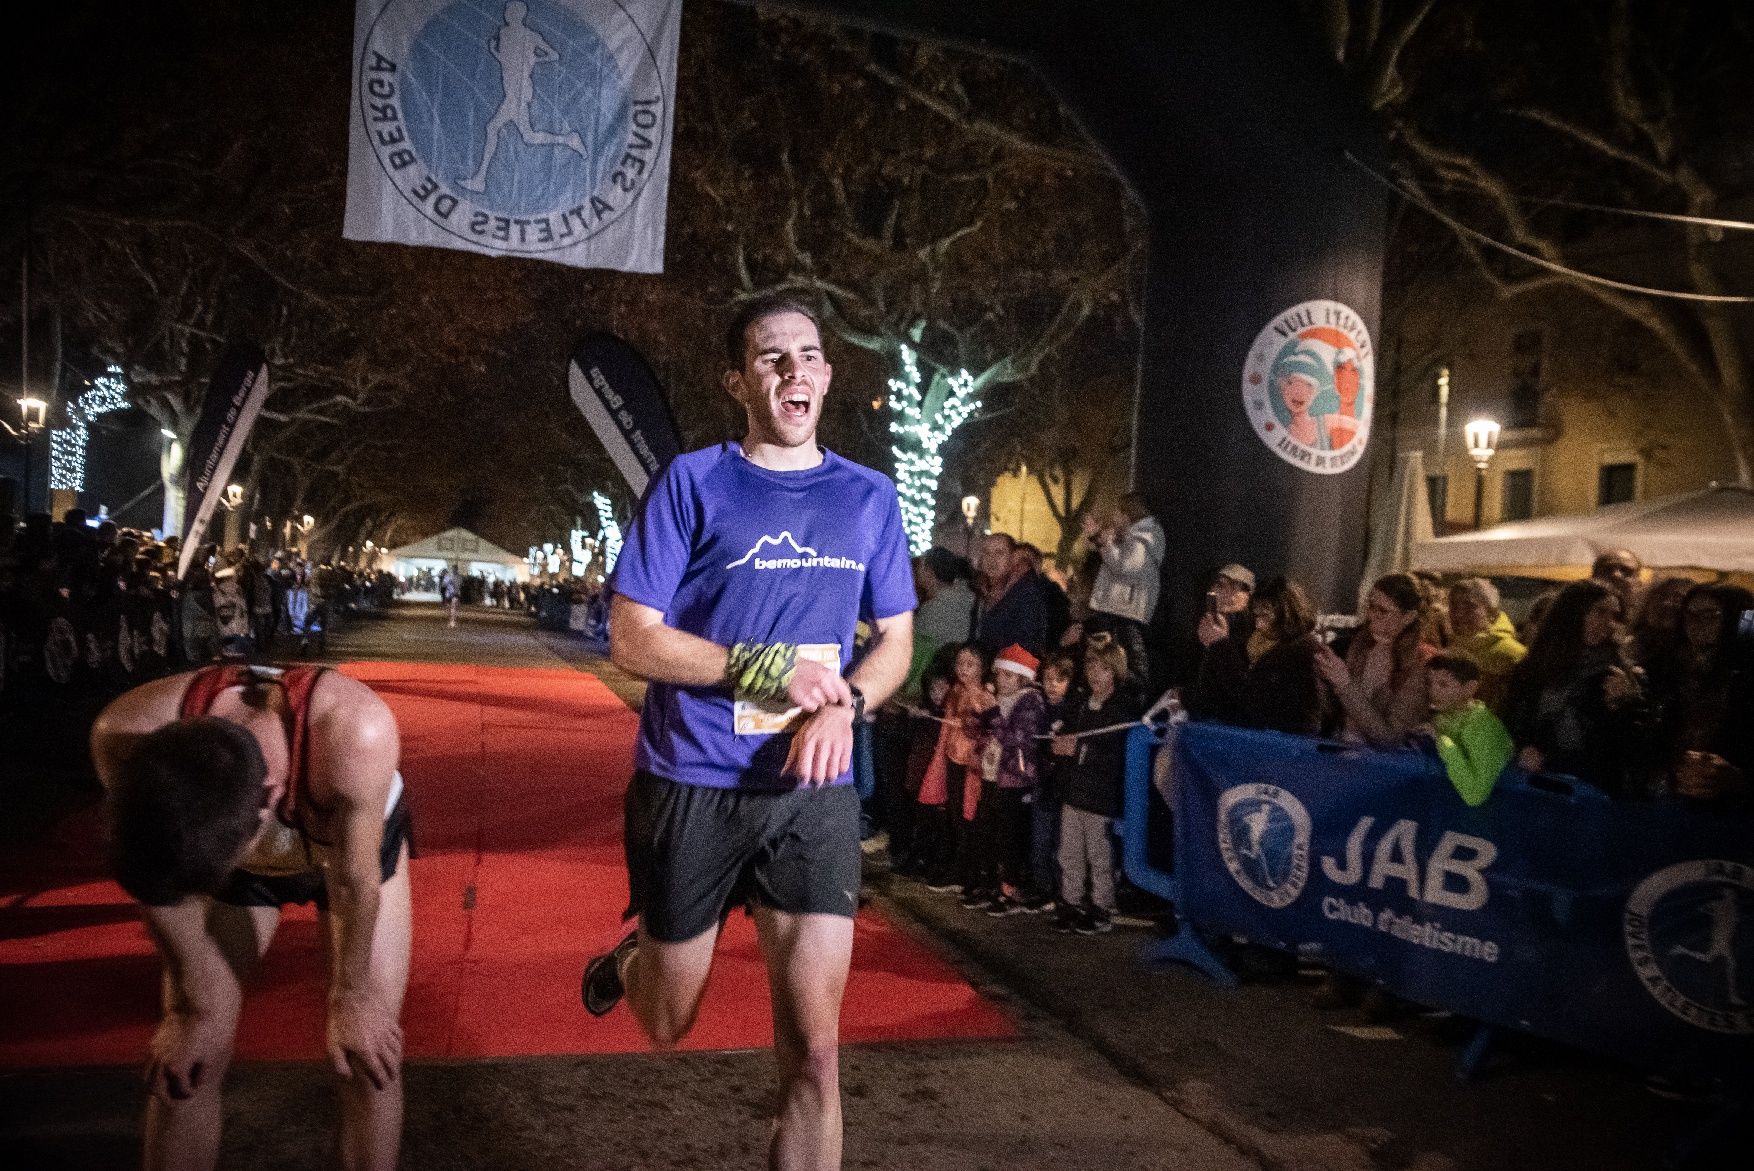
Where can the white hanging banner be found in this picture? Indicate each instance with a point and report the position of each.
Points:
(515, 127)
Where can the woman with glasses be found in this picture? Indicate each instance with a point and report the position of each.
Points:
(1705, 687)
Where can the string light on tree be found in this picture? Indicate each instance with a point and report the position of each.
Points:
(922, 421)
(608, 532)
(109, 392)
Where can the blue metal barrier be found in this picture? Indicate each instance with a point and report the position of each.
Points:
(1185, 946)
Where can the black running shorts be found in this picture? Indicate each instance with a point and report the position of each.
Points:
(247, 889)
(695, 853)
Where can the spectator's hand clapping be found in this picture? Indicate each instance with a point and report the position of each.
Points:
(1213, 628)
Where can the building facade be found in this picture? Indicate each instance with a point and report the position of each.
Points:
(1592, 407)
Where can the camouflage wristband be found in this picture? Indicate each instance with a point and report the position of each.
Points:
(762, 670)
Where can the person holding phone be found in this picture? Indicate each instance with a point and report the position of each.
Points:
(1225, 627)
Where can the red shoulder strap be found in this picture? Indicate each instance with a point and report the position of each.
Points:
(205, 686)
(298, 683)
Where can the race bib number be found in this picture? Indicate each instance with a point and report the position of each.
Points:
(752, 717)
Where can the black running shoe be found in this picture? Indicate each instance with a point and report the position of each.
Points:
(602, 989)
(1096, 921)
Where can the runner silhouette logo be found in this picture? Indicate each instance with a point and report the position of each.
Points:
(1263, 837)
(1689, 932)
(516, 125)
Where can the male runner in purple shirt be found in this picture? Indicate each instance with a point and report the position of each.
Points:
(737, 594)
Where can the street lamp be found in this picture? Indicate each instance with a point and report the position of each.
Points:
(971, 508)
(33, 413)
(1482, 436)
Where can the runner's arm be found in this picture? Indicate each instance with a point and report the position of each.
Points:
(886, 660)
(641, 642)
(201, 1001)
(195, 968)
(822, 747)
(357, 765)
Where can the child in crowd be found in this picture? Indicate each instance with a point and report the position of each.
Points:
(1471, 740)
(1009, 751)
(1094, 771)
(912, 850)
(949, 790)
(1049, 796)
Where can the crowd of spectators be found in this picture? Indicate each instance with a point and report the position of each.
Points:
(98, 602)
(999, 770)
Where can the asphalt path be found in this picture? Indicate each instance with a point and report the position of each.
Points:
(1120, 1064)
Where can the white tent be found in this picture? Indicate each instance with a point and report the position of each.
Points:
(1711, 529)
(469, 553)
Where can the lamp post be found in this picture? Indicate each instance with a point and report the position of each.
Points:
(971, 508)
(33, 413)
(1482, 436)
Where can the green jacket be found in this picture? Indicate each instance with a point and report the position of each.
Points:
(1475, 748)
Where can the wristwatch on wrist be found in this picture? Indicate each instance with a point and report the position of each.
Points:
(858, 703)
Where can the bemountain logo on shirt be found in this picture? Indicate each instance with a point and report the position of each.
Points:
(804, 557)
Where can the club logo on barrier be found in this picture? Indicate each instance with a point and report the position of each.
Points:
(516, 125)
(1263, 836)
(1309, 384)
(1690, 936)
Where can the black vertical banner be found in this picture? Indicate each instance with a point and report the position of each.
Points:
(616, 391)
(234, 399)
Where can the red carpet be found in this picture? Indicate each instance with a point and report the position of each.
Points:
(515, 778)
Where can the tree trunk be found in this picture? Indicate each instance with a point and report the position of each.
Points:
(171, 459)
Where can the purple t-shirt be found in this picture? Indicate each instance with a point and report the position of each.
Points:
(733, 552)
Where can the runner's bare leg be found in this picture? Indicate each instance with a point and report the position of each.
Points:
(665, 982)
(807, 961)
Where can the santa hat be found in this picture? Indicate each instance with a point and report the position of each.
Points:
(1015, 658)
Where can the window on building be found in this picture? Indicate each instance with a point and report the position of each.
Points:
(1528, 352)
(1616, 483)
(1437, 489)
(1518, 496)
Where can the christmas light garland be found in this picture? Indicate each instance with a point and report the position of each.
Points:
(109, 392)
(922, 427)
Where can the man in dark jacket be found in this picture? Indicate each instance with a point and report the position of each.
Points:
(1011, 609)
